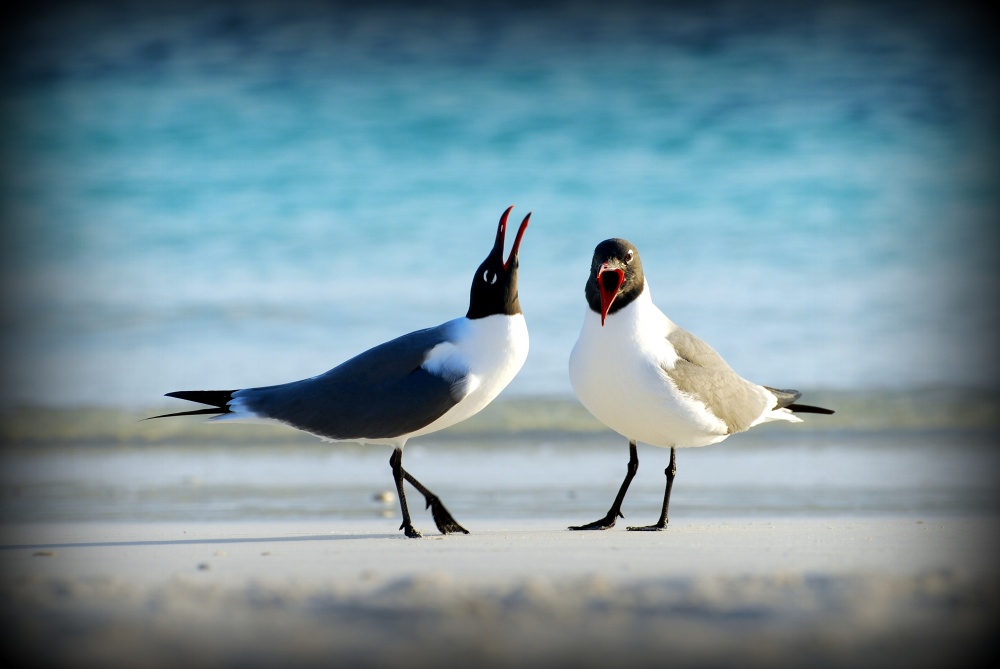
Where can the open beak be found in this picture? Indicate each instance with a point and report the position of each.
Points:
(502, 232)
(609, 281)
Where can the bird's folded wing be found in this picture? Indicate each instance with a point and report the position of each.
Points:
(380, 394)
(702, 373)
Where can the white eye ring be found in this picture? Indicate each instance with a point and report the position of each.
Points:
(628, 256)
(486, 277)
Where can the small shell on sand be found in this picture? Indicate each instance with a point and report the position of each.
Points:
(385, 496)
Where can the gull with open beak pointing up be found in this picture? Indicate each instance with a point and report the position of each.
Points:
(651, 381)
(413, 385)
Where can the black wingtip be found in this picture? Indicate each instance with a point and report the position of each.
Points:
(217, 399)
(197, 412)
(805, 408)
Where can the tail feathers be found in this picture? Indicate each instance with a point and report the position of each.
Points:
(217, 399)
(805, 408)
(786, 400)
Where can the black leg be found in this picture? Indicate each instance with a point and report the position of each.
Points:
(396, 462)
(671, 472)
(445, 523)
(608, 521)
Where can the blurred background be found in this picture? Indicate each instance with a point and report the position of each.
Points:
(210, 194)
(218, 195)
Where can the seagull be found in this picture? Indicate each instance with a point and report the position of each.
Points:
(413, 385)
(652, 381)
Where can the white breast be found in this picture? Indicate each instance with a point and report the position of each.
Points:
(490, 351)
(617, 372)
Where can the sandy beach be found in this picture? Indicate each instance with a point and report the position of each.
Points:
(795, 592)
(849, 543)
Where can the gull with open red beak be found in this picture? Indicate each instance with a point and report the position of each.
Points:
(654, 382)
(413, 385)
(609, 281)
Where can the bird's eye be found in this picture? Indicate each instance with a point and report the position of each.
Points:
(489, 277)
(629, 256)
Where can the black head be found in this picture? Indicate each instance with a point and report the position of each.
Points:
(494, 287)
(615, 277)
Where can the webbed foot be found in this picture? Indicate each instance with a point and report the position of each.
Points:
(445, 523)
(605, 523)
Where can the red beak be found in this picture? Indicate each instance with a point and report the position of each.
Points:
(517, 241)
(609, 280)
(502, 231)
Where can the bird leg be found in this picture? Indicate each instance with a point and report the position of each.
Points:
(671, 472)
(444, 521)
(615, 512)
(442, 518)
(396, 462)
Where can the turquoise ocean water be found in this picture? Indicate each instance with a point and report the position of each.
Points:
(212, 195)
(206, 195)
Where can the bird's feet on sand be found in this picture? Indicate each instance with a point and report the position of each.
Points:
(605, 523)
(445, 523)
(410, 531)
(647, 528)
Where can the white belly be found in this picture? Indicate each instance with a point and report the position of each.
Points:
(618, 374)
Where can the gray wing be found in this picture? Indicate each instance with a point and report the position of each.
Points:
(382, 393)
(703, 374)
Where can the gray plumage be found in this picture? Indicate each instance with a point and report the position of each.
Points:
(380, 394)
(701, 373)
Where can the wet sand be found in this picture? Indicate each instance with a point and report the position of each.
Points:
(820, 592)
